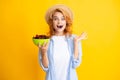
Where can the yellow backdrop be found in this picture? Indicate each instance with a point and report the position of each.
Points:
(20, 20)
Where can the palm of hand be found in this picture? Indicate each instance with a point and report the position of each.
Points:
(81, 37)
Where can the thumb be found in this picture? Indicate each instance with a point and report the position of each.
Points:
(39, 45)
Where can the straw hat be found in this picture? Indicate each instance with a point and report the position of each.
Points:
(58, 6)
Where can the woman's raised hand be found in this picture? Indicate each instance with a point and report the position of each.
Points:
(83, 36)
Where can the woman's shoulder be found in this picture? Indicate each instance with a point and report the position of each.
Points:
(73, 35)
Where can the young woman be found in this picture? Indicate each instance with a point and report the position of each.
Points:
(60, 57)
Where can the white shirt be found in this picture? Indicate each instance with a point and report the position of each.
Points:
(61, 57)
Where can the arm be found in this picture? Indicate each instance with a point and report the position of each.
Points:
(75, 50)
(43, 58)
(77, 56)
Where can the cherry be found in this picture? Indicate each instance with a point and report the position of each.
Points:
(40, 37)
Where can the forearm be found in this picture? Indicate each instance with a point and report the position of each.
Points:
(75, 50)
(45, 60)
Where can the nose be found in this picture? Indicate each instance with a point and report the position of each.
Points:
(59, 21)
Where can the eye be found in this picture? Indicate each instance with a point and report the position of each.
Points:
(63, 18)
(55, 18)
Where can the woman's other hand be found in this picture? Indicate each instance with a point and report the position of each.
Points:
(83, 36)
(43, 48)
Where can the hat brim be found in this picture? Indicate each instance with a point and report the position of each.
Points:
(58, 6)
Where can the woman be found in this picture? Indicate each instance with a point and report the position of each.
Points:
(62, 55)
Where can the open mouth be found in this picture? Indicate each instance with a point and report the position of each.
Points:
(59, 26)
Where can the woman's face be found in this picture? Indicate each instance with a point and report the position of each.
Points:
(59, 22)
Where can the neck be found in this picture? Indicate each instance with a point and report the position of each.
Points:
(59, 33)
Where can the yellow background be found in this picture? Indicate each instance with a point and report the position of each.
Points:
(20, 20)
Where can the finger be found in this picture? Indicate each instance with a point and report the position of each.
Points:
(47, 43)
(86, 37)
(39, 45)
(84, 33)
(44, 44)
(82, 36)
